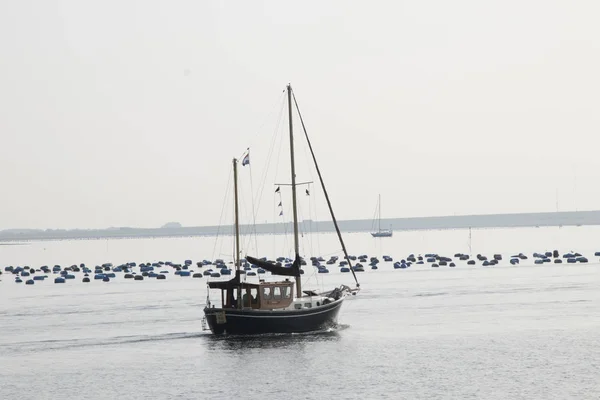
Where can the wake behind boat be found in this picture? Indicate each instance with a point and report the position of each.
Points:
(281, 306)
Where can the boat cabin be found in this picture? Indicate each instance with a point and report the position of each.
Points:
(261, 296)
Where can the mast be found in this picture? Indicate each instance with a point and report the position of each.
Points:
(379, 202)
(237, 233)
(293, 170)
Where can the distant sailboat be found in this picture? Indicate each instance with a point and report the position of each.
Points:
(380, 232)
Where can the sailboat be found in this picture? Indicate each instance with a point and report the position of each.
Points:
(381, 232)
(280, 306)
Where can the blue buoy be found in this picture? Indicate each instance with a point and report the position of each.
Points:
(39, 278)
(18, 280)
(184, 273)
(138, 278)
(161, 277)
(29, 282)
(106, 279)
(215, 275)
(69, 276)
(86, 279)
(344, 269)
(59, 279)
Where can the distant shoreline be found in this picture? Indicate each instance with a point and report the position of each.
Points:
(522, 220)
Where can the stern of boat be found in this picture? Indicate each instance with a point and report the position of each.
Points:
(214, 320)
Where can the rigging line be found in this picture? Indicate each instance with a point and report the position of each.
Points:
(277, 221)
(285, 231)
(276, 227)
(277, 162)
(221, 216)
(245, 230)
(310, 221)
(280, 99)
(337, 228)
(259, 196)
(310, 174)
(314, 203)
(302, 229)
(254, 211)
(336, 251)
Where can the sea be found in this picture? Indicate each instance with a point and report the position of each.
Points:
(525, 331)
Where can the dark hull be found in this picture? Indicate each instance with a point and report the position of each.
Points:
(253, 322)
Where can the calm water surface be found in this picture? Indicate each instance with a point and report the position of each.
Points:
(528, 331)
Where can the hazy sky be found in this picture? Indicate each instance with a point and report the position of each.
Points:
(128, 113)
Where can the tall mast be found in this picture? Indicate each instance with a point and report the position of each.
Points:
(379, 201)
(296, 244)
(237, 232)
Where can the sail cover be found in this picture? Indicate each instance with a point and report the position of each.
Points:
(224, 285)
(294, 270)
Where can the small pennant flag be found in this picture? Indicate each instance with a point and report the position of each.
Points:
(279, 204)
(246, 160)
(277, 190)
(307, 192)
(281, 213)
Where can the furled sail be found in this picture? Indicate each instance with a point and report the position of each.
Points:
(294, 270)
